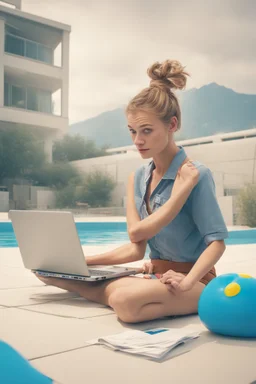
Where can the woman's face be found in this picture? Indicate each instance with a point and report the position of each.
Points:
(150, 135)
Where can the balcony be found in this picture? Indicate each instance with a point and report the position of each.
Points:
(26, 56)
(21, 117)
(28, 98)
(27, 48)
(31, 107)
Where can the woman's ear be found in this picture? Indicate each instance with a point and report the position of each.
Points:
(173, 126)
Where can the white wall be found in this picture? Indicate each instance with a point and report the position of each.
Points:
(226, 206)
(4, 201)
(33, 194)
(234, 160)
(26, 196)
(21, 196)
(16, 3)
(45, 199)
(117, 166)
(2, 23)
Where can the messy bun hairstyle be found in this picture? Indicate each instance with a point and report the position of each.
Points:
(159, 97)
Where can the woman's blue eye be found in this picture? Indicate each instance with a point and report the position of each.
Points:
(146, 131)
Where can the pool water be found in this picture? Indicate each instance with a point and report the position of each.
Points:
(104, 233)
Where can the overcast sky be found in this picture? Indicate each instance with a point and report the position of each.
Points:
(113, 42)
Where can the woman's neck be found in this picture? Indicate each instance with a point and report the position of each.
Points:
(164, 159)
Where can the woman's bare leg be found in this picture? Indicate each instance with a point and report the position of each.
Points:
(135, 299)
(150, 299)
(98, 291)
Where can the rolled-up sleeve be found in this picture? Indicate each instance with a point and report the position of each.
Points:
(205, 209)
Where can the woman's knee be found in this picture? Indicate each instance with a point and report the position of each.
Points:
(125, 305)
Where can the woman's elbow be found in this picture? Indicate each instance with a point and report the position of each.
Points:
(134, 234)
(222, 246)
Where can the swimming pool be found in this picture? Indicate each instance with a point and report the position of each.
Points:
(103, 233)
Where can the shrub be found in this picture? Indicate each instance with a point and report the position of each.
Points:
(56, 175)
(247, 205)
(96, 190)
(66, 197)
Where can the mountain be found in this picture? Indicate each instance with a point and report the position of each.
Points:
(206, 111)
(108, 128)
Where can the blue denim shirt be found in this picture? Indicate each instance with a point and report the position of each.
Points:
(199, 222)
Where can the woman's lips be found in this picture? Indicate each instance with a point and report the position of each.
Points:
(143, 150)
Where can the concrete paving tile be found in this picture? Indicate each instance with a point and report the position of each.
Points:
(209, 359)
(75, 307)
(12, 279)
(36, 334)
(242, 267)
(238, 259)
(31, 296)
(10, 257)
(113, 325)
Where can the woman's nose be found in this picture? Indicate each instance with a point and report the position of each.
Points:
(138, 140)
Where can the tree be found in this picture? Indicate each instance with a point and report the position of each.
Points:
(96, 190)
(247, 205)
(21, 152)
(72, 148)
(56, 175)
(66, 197)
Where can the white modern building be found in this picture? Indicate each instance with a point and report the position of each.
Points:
(231, 158)
(34, 73)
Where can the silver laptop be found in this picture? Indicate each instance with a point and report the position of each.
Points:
(49, 245)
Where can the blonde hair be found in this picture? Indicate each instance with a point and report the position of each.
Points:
(158, 97)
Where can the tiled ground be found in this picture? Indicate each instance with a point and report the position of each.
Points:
(50, 327)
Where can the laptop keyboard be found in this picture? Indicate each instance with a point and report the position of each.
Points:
(98, 272)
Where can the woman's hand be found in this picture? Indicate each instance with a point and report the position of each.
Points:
(187, 176)
(176, 282)
(148, 269)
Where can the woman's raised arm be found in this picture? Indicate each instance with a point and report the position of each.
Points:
(145, 229)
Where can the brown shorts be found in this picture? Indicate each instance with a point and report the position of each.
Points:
(162, 266)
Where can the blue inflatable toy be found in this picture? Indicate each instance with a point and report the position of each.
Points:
(227, 305)
(14, 369)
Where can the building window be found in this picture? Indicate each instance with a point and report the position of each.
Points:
(14, 45)
(6, 94)
(31, 50)
(27, 98)
(18, 98)
(45, 54)
(23, 47)
(32, 100)
(45, 101)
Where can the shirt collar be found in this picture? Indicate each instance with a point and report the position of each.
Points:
(173, 168)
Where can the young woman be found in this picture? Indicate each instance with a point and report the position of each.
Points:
(171, 205)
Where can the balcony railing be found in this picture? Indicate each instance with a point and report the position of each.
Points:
(28, 98)
(27, 48)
